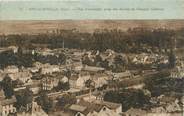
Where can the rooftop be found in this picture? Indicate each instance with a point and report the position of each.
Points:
(93, 68)
(8, 101)
(77, 108)
(85, 107)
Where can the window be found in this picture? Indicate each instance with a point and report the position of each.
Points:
(78, 114)
(104, 109)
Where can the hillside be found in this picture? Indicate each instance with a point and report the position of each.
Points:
(14, 27)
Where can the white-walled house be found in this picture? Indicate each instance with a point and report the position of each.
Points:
(100, 79)
(11, 69)
(48, 83)
(122, 75)
(49, 69)
(78, 80)
(51, 81)
(24, 76)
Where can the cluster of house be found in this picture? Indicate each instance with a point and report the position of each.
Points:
(77, 78)
(47, 77)
(167, 104)
(51, 75)
(16, 73)
(6, 105)
(145, 58)
(89, 105)
(93, 108)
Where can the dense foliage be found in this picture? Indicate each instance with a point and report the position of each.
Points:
(24, 99)
(45, 102)
(7, 86)
(66, 100)
(160, 85)
(131, 40)
(128, 98)
(62, 86)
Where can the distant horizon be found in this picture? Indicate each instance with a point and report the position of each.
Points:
(42, 26)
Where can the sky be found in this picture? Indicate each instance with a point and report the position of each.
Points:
(90, 9)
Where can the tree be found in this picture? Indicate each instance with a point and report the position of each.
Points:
(172, 59)
(128, 98)
(62, 58)
(105, 64)
(66, 100)
(98, 60)
(7, 86)
(104, 87)
(159, 85)
(68, 73)
(86, 60)
(62, 86)
(119, 64)
(156, 85)
(44, 101)
(24, 99)
(27, 96)
(89, 83)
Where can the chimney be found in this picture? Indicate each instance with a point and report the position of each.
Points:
(78, 100)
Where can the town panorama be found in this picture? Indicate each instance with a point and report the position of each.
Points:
(92, 68)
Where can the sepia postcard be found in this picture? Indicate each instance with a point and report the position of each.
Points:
(91, 57)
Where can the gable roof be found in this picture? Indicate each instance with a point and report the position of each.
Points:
(122, 74)
(76, 107)
(93, 68)
(109, 105)
(85, 107)
(90, 107)
(8, 101)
